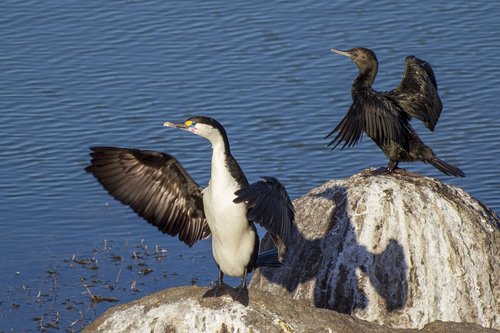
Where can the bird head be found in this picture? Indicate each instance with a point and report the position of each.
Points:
(363, 58)
(206, 127)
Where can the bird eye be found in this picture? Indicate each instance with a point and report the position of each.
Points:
(190, 123)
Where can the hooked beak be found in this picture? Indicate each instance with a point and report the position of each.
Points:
(344, 53)
(181, 126)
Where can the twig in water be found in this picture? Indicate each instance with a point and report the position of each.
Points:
(79, 319)
(89, 292)
(118, 276)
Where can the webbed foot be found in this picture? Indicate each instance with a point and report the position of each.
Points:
(382, 171)
(219, 290)
(242, 296)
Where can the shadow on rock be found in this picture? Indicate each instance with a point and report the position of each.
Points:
(333, 264)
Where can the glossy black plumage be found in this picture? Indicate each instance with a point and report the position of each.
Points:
(155, 186)
(385, 116)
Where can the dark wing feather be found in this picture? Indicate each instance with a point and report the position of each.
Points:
(417, 94)
(269, 205)
(383, 121)
(155, 186)
(376, 115)
(350, 129)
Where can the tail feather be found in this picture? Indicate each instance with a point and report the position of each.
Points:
(268, 259)
(446, 168)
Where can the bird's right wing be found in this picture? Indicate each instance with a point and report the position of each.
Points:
(269, 205)
(155, 186)
(417, 94)
(350, 129)
(383, 121)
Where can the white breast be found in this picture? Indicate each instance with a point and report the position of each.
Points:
(233, 238)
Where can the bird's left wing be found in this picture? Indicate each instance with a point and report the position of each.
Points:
(417, 93)
(269, 205)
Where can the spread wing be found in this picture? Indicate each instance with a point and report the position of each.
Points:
(375, 115)
(417, 93)
(350, 129)
(269, 205)
(155, 186)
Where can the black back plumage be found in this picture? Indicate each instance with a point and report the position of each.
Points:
(155, 186)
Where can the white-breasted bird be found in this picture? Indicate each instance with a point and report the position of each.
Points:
(157, 188)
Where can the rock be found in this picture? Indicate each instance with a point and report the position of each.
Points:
(401, 250)
(183, 310)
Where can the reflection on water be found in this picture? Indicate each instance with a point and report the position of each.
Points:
(110, 73)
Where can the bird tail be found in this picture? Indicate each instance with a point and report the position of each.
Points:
(446, 168)
(268, 259)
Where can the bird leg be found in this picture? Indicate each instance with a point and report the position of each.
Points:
(242, 295)
(391, 167)
(220, 288)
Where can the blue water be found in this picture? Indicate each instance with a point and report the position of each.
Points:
(80, 73)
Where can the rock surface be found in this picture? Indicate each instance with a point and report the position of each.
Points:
(401, 250)
(183, 310)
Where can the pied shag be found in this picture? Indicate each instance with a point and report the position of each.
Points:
(157, 188)
(384, 116)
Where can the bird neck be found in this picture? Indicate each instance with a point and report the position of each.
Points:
(366, 77)
(219, 154)
(225, 169)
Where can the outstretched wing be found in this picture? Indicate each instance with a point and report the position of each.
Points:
(375, 115)
(269, 205)
(417, 94)
(350, 129)
(155, 186)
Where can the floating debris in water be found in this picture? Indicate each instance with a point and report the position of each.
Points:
(75, 290)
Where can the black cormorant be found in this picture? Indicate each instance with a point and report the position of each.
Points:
(157, 188)
(384, 116)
